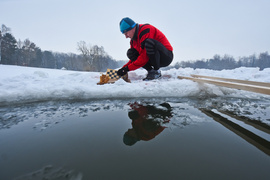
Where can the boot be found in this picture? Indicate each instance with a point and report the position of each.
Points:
(152, 74)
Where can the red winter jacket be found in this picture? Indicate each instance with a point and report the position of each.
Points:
(145, 129)
(143, 32)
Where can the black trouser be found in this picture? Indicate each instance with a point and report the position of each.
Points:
(159, 56)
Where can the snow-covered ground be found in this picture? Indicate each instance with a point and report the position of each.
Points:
(24, 84)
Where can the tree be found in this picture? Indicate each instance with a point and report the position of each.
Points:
(36, 60)
(0, 45)
(95, 57)
(29, 54)
(215, 62)
(228, 62)
(8, 49)
(264, 60)
(200, 64)
(99, 57)
(4, 29)
(26, 53)
(48, 60)
(86, 54)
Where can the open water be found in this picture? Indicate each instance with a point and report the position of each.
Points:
(136, 139)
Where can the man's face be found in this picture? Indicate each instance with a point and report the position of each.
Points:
(130, 33)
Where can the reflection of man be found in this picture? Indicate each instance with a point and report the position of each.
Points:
(146, 122)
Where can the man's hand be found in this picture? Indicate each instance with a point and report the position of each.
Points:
(122, 71)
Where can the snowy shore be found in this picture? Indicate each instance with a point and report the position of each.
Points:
(24, 84)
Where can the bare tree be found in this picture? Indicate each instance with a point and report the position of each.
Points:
(95, 57)
(86, 52)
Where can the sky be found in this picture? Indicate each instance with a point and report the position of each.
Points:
(197, 29)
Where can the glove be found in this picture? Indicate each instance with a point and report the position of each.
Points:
(122, 71)
(132, 54)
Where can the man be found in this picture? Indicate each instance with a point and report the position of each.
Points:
(149, 48)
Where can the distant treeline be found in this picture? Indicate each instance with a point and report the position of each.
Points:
(228, 62)
(94, 58)
(26, 53)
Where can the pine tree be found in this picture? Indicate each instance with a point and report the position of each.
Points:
(8, 49)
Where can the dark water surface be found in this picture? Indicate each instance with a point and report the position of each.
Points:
(135, 139)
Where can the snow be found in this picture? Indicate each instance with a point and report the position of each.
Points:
(25, 84)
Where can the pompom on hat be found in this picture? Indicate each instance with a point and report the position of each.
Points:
(126, 24)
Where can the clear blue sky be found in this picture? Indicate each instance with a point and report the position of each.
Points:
(196, 28)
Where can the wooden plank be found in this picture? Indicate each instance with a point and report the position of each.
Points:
(234, 80)
(246, 87)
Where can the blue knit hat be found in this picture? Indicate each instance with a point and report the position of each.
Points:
(126, 24)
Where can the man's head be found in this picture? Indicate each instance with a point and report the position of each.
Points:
(127, 27)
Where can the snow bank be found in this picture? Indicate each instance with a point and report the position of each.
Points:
(24, 84)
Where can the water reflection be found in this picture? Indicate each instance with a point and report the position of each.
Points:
(147, 122)
(79, 149)
(254, 139)
(185, 110)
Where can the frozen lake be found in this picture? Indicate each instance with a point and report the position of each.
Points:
(165, 138)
